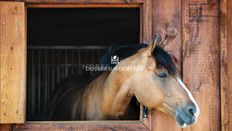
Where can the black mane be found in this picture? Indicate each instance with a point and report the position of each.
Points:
(122, 51)
(163, 59)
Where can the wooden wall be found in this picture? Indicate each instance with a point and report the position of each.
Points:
(167, 21)
(226, 64)
(201, 53)
(202, 46)
(197, 49)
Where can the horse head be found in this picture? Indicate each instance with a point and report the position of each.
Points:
(157, 85)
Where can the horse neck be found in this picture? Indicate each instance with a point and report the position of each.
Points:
(116, 95)
(88, 103)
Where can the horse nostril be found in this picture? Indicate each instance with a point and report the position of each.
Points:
(191, 109)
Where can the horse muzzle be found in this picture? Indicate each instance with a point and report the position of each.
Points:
(186, 115)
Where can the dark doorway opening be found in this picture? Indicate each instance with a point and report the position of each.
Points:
(60, 40)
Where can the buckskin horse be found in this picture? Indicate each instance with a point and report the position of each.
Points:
(153, 81)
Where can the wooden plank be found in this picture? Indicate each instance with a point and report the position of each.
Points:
(167, 21)
(224, 64)
(201, 61)
(146, 20)
(85, 1)
(4, 127)
(82, 126)
(12, 62)
(133, 5)
(80, 1)
(229, 68)
(146, 35)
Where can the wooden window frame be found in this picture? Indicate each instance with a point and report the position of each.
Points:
(145, 35)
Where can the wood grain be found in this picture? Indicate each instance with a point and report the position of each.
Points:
(85, 1)
(12, 62)
(167, 21)
(228, 91)
(82, 126)
(135, 5)
(79, 1)
(224, 66)
(201, 61)
(5, 127)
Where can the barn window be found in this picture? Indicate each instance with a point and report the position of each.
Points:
(62, 40)
(39, 42)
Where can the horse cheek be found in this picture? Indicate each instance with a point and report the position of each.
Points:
(150, 98)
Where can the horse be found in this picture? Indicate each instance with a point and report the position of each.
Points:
(145, 72)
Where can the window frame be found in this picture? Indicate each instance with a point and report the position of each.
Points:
(145, 36)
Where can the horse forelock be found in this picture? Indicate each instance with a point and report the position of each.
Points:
(163, 59)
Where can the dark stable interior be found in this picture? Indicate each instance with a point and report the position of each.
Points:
(60, 40)
(96, 26)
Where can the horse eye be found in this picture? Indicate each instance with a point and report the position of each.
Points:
(163, 75)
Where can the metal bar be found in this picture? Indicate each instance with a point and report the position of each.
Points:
(85, 60)
(58, 67)
(46, 71)
(32, 88)
(46, 84)
(53, 71)
(66, 62)
(61, 67)
(79, 61)
(72, 63)
(39, 83)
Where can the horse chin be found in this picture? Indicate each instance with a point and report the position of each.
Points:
(181, 122)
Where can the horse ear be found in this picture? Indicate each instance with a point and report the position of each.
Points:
(153, 44)
(158, 41)
(164, 42)
(150, 47)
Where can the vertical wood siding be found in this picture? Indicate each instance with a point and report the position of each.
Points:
(201, 60)
(226, 64)
(167, 21)
(223, 17)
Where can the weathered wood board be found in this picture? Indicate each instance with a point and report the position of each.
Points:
(167, 21)
(201, 54)
(226, 64)
(12, 62)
